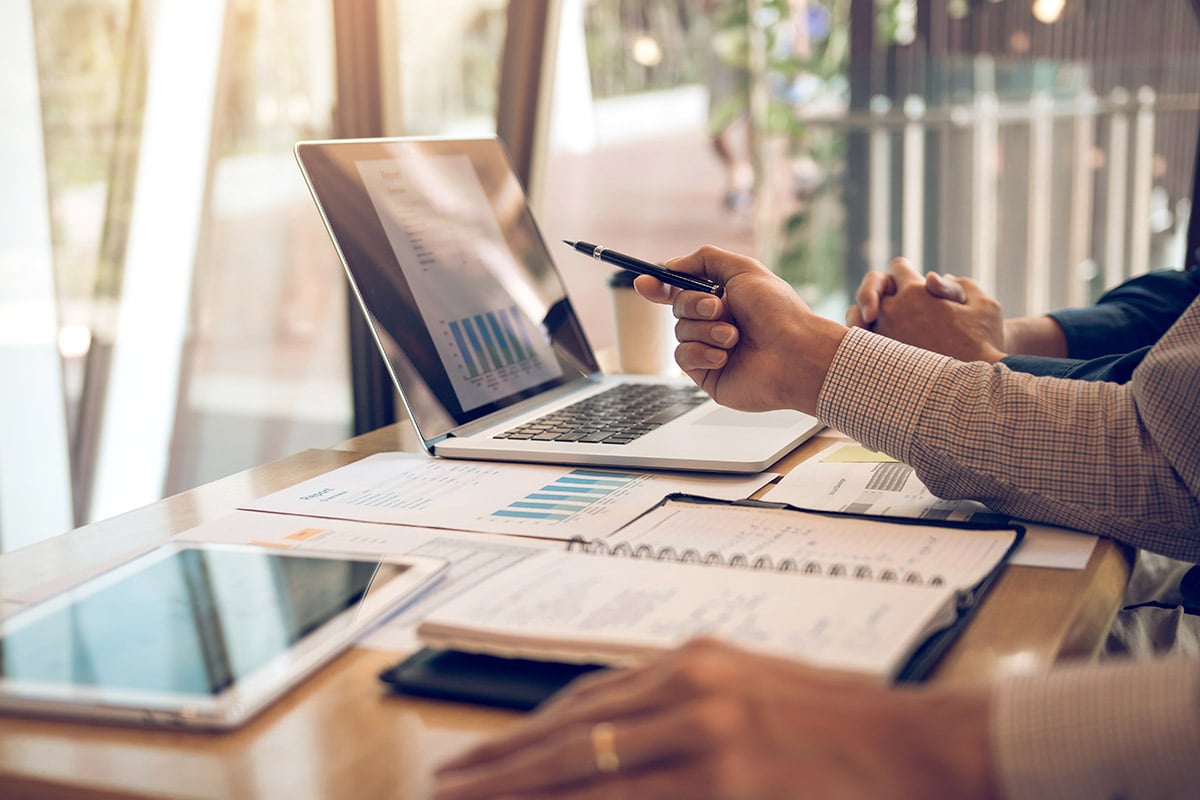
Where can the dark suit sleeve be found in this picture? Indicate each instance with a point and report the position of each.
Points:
(1107, 341)
(1114, 368)
(1130, 316)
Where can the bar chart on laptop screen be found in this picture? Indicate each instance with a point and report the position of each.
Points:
(491, 341)
(459, 268)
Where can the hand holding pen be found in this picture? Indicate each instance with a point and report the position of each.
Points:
(668, 276)
(758, 346)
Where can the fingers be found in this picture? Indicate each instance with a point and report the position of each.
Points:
(704, 335)
(904, 273)
(702, 318)
(972, 291)
(569, 757)
(874, 286)
(672, 717)
(588, 687)
(696, 359)
(625, 693)
(564, 758)
(717, 334)
(855, 318)
(664, 782)
(715, 264)
(946, 287)
(635, 692)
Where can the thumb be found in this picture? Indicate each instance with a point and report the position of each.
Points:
(945, 287)
(653, 289)
(903, 272)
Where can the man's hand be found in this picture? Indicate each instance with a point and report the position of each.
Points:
(757, 348)
(713, 722)
(877, 285)
(947, 315)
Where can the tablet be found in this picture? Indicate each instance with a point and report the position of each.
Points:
(196, 635)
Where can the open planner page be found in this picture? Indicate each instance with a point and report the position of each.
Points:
(816, 543)
(591, 608)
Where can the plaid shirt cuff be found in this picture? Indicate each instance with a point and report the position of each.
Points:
(1120, 731)
(875, 390)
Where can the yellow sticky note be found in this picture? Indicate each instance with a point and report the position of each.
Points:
(856, 454)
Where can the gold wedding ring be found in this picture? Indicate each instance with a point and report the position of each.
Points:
(604, 747)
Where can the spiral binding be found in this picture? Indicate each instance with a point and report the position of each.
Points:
(691, 555)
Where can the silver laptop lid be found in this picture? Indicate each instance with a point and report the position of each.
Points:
(453, 275)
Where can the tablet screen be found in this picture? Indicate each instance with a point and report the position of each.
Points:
(187, 622)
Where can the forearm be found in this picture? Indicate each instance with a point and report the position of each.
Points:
(950, 729)
(1133, 315)
(1130, 730)
(1122, 730)
(1059, 451)
(1015, 442)
(1034, 336)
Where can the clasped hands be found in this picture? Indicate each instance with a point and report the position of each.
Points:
(948, 315)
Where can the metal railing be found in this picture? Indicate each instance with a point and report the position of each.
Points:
(1044, 201)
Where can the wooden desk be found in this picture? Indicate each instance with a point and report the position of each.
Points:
(342, 735)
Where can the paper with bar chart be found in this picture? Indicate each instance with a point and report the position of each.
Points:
(849, 477)
(552, 502)
(447, 241)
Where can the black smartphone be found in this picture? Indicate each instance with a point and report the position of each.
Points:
(515, 683)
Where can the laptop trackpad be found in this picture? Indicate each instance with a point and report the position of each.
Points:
(741, 419)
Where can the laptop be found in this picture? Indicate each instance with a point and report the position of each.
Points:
(476, 329)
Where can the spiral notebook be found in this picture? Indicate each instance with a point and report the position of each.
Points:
(871, 597)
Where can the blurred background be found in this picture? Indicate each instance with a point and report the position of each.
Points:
(171, 310)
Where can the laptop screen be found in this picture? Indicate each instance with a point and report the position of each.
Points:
(452, 272)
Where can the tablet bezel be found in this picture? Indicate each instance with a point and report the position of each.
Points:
(248, 694)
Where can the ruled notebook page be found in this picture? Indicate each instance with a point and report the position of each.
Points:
(863, 548)
(573, 606)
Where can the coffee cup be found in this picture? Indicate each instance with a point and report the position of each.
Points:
(645, 330)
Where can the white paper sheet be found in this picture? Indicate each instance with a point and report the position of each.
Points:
(1056, 548)
(849, 477)
(553, 502)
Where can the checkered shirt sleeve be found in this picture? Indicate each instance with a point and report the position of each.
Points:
(1117, 460)
(1124, 731)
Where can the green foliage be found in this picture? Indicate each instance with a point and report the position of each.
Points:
(802, 74)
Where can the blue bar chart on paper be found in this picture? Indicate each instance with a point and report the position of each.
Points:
(573, 493)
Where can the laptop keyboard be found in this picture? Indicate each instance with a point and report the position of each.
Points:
(615, 416)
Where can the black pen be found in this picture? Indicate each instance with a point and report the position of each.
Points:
(670, 276)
